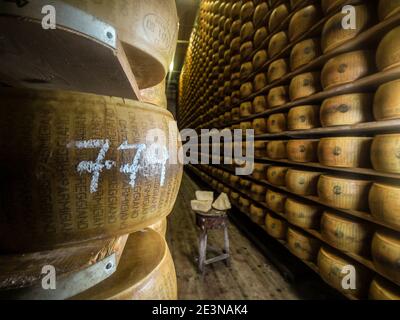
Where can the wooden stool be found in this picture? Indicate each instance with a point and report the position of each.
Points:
(209, 221)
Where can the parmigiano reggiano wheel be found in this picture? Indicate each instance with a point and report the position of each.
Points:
(246, 49)
(259, 59)
(25, 270)
(277, 70)
(260, 149)
(69, 172)
(246, 109)
(260, 15)
(303, 117)
(259, 36)
(346, 233)
(346, 68)
(246, 70)
(259, 171)
(386, 254)
(246, 125)
(278, 96)
(258, 192)
(276, 123)
(234, 180)
(331, 264)
(385, 153)
(387, 101)
(236, 28)
(259, 126)
(235, 113)
(277, 43)
(302, 150)
(277, 149)
(276, 175)
(277, 16)
(245, 185)
(388, 52)
(155, 95)
(260, 104)
(384, 203)
(275, 201)
(235, 64)
(244, 205)
(146, 272)
(304, 85)
(247, 32)
(388, 8)
(304, 52)
(302, 21)
(302, 214)
(160, 227)
(246, 89)
(346, 109)
(260, 81)
(234, 48)
(329, 5)
(247, 11)
(382, 289)
(345, 152)
(257, 214)
(148, 30)
(276, 227)
(302, 245)
(344, 193)
(302, 182)
(333, 33)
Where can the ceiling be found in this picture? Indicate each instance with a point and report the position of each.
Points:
(187, 11)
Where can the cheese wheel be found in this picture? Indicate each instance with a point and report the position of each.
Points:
(277, 43)
(278, 96)
(260, 15)
(160, 226)
(345, 152)
(302, 150)
(244, 205)
(275, 201)
(147, 29)
(234, 197)
(384, 203)
(303, 118)
(346, 109)
(276, 123)
(388, 8)
(257, 214)
(247, 11)
(260, 81)
(259, 59)
(276, 175)
(276, 150)
(63, 186)
(302, 245)
(276, 227)
(333, 33)
(277, 70)
(278, 15)
(259, 37)
(155, 95)
(304, 52)
(388, 52)
(387, 101)
(259, 126)
(344, 193)
(346, 233)
(259, 104)
(236, 28)
(246, 109)
(382, 289)
(228, 25)
(246, 49)
(25, 270)
(234, 180)
(146, 272)
(235, 114)
(259, 171)
(247, 32)
(386, 254)
(385, 153)
(258, 192)
(246, 125)
(245, 184)
(236, 8)
(304, 85)
(302, 182)
(346, 68)
(246, 70)
(302, 21)
(302, 214)
(260, 149)
(334, 267)
(246, 89)
(235, 63)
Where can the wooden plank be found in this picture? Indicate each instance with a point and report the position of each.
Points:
(62, 59)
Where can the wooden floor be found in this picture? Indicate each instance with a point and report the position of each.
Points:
(251, 275)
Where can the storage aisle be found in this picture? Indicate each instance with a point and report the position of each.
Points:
(251, 275)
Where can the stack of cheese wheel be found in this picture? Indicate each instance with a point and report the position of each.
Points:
(302, 245)
(145, 272)
(148, 30)
(333, 268)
